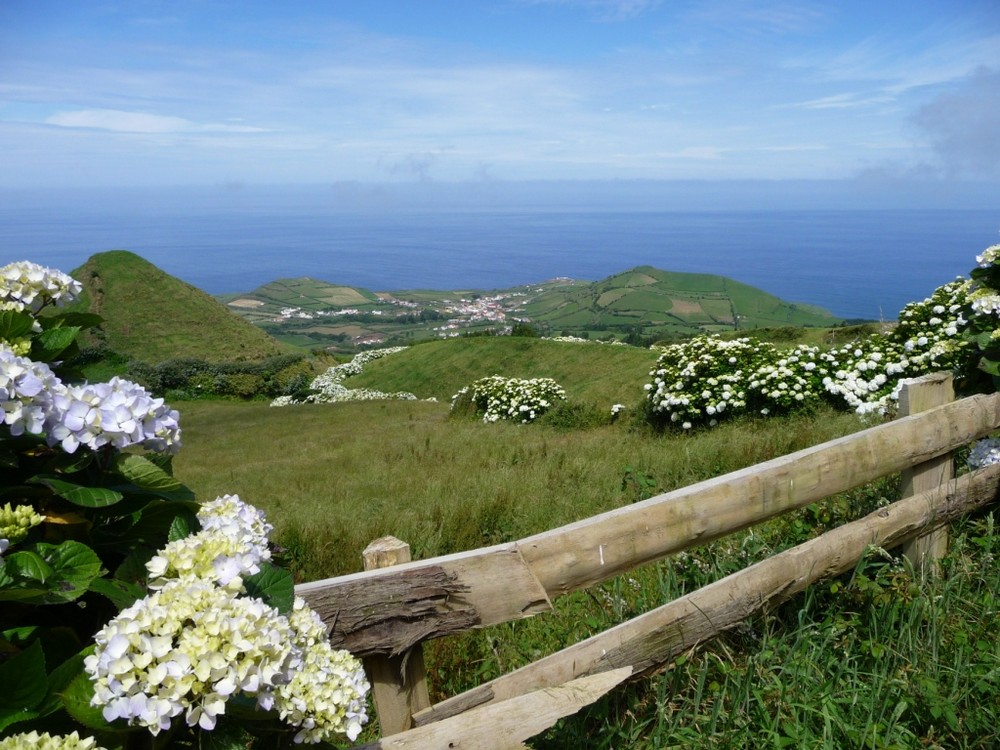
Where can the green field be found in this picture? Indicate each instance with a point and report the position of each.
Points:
(644, 302)
(876, 659)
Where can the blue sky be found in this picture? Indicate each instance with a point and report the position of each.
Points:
(244, 93)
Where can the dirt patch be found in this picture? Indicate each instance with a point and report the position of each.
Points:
(246, 303)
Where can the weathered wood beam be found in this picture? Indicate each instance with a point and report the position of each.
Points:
(917, 395)
(506, 725)
(655, 638)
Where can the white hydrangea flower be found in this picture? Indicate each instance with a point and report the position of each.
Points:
(989, 256)
(209, 555)
(29, 286)
(239, 520)
(185, 649)
(46, 741)
(326, 695)
(26, 392)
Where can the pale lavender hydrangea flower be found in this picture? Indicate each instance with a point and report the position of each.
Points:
(26, 392)
(118, 413)
(984, 453)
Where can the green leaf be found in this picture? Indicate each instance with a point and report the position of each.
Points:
(76, 319)
(85, 497)
(121, 593)
(27, 564)
(153, 523)
(60, 679)
(182, 526)
(74, 566)
(50, 344)
(274, 585)
(147, 476)
(15, 325)
(25, 685)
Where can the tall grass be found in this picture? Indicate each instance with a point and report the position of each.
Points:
(334, 477)
(876, 659)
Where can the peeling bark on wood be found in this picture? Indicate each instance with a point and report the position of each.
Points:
(407, 609)
(655, 638)
(380, 611)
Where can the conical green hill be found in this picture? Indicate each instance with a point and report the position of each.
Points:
(153, 316)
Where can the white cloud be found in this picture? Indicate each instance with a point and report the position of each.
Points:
(119, 121)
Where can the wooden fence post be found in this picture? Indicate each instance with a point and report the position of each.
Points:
(399, 683)
(916, 395)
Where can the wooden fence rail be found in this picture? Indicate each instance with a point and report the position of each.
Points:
(387, 613)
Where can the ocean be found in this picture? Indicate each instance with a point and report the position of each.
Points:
(855, 263)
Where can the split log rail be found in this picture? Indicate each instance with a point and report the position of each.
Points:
(386, 612)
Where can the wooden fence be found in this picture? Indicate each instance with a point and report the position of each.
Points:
(386, 612)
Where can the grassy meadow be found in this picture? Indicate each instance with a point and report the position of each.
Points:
(874, 660)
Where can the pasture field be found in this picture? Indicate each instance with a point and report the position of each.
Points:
(877, 659)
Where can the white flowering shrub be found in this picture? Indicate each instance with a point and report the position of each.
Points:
(196, 642)
(513, 399)
(701, 380)
(93, 521)
(698, 382)
(329, 388)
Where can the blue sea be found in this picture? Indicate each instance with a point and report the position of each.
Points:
(855, 263)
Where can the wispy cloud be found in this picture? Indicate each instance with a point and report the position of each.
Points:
(118, 121)
(605, 10)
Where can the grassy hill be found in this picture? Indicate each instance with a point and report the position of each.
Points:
(601, 374)
(652, 301)
(153, 316)
(643, 301)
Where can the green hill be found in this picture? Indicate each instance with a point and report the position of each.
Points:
(153, 316)
(596, 373)
(652, 301)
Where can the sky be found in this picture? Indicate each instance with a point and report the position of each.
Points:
(219, 93)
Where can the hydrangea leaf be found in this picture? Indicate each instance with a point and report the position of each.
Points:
(157, 522)
(73, 566)
(121, 593)
(274, 585)
(86, 497)
(52, 343)
(27, 564)
(25, 685)
(59, 679)
(149, 477)
(14, 324)
(76, 700)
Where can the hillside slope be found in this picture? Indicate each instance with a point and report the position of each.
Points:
(598, 373)
(153, 316)
(652, 300)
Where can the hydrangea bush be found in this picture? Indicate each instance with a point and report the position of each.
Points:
(329, 387)
(193, 620)
(513, 399)
(701, 381)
